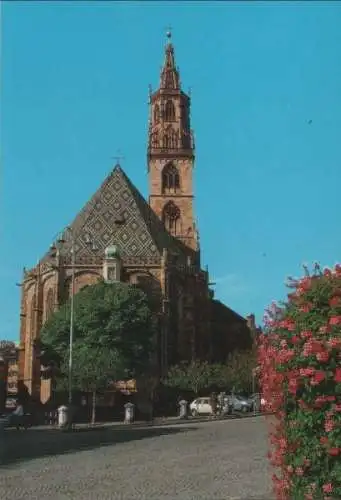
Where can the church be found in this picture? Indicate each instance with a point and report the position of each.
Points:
(154, 244)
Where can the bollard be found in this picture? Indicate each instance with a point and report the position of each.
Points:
(63, 416)
(129, 412)
(183, 413)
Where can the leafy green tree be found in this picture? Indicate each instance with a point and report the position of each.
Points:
(194, 376)
(93, 368)
(114, 334)
(239, 370)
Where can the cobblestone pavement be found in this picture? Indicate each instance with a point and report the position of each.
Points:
(223, 460)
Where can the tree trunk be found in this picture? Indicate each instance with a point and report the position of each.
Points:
(93, 412)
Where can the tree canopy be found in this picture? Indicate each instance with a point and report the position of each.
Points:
(113, 335)
(196, 376)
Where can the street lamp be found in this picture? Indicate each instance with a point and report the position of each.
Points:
(70, 237)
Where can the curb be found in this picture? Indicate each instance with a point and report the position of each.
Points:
(177, 421)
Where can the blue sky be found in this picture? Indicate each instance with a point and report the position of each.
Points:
(74, 91)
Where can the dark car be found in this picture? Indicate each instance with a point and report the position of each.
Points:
(22, 421)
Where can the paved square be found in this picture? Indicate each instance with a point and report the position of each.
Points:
(223, 460)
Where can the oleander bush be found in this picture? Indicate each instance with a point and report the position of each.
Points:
(299, 357)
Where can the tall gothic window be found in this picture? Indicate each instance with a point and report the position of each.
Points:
(170, 179)
(173, 139)
(171, 218)
(156, 113)
(170, 138)
(49, 304)
(169, 111)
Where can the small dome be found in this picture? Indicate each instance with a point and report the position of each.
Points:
(112, 252)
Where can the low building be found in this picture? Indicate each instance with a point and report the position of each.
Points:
(9, 354)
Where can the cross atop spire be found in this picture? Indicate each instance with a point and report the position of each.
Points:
(169, 79)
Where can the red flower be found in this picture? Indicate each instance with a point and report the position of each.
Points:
(329, 425)
(317, 378)
(322, 356)
(334, 343)
(334, 301)
(335, 320)
(337, 376)
(323, 440)
(327, 488)
(295, 339)
(324, 329)
(306, 334)
(334, 452)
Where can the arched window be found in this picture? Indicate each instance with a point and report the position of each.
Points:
(49, 304)
(171, 218)
(170, 179)
(169, 111)
(156, 113)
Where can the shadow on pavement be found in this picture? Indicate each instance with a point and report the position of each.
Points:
(34, 443)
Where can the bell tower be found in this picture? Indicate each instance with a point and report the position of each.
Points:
(171, 154)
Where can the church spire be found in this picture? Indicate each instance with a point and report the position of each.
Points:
(169, 79)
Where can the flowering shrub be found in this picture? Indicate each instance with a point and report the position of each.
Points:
(300, 377)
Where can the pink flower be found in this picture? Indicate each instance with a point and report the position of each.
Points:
(322, 356)
(327, 488)
(334, 452)
(337, 376)
(334, 301)
(329, 425)
(335, 320)
(334, 343)
(318, 377)
(324, 329)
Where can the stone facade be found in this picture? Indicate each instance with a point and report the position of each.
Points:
(158, 244)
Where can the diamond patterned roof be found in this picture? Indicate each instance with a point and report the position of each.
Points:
(117, 214)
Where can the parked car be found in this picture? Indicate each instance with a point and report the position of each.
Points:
(201, 406)
(240, 403)
(22, 421)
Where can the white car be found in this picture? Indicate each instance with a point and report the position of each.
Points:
(201, 406)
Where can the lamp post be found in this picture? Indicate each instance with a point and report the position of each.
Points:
(71, 318)
(60, 241)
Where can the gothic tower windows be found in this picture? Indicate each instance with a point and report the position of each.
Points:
(169, 114)
(171, 154)
(170, 179)
(170, 138)
(156, 113)
(171, 218)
